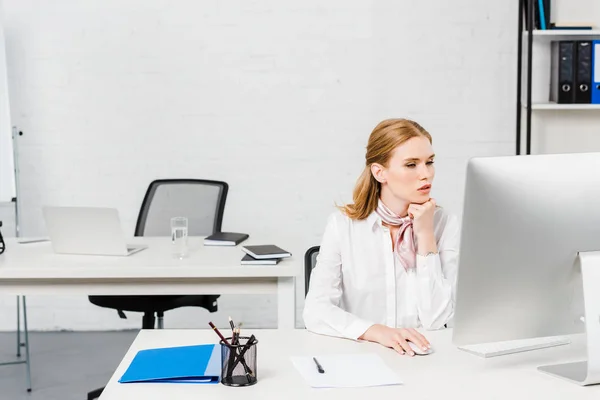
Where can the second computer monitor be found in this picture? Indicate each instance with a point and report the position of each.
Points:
(525, 220)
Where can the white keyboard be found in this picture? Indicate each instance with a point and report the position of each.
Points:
(514, 346)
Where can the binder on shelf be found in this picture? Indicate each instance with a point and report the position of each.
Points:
(541, 14)
(583, 72)
(566, 73)
(536, 14)
(595, 90)
(547, 13)
(184, 364)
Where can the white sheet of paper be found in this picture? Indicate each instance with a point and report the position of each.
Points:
(346, 371)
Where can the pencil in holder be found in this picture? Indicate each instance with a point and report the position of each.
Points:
(238, 362)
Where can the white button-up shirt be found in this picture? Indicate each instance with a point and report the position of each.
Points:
(358, 280)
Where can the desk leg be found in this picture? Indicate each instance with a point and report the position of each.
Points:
(286, 302)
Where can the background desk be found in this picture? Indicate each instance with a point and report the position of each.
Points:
(449, 373)
(28, 269)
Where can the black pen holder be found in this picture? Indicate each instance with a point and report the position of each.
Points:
(238, 362)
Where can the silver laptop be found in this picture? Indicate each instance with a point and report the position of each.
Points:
(87, 230)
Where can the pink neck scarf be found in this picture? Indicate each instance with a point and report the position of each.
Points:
(405, 242)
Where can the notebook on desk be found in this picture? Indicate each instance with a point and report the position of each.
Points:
(225, 239)
(265, 251)
(185, 364)
(249, 260)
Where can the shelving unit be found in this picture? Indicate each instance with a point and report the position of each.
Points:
(543, 35)
(553, 34)
(556, 106)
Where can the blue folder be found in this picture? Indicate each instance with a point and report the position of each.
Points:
(185, 364)
(596, 72)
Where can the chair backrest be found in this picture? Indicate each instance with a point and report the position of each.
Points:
(310, 261)
(202, 202)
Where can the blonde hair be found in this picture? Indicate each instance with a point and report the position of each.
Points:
(386, 136)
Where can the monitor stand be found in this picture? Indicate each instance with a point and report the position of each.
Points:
(586, 372)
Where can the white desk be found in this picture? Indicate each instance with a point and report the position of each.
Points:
(449, 373)
(28, 269)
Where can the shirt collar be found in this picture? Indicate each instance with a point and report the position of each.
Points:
(374, 220)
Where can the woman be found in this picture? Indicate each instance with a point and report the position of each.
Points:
(388, 262)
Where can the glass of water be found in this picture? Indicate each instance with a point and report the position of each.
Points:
(179, 236)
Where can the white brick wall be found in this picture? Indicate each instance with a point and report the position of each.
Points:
(276, 98)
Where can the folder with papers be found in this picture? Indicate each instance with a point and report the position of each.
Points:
(185, 364)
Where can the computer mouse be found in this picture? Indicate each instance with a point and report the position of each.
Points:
(419, 351)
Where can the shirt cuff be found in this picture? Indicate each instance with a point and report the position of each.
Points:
(429, 266)
(357, 328)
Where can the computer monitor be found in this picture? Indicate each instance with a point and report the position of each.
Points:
(530, 226)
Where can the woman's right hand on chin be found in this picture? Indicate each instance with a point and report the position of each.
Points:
(396, 338)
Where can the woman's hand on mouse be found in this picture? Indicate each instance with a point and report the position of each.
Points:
(396, 338)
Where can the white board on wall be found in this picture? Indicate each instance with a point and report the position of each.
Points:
(7, 176)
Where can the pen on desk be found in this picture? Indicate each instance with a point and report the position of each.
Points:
(319, 368)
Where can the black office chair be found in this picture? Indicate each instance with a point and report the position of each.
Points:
(203, 203)
(310, 261)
